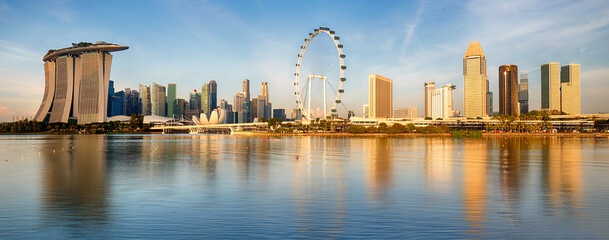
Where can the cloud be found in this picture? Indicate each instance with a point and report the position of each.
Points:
(4, 110)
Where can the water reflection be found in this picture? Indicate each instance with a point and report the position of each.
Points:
(561, 176)
(74, 183)
(475, 184)
(439, 163)
(379, 166)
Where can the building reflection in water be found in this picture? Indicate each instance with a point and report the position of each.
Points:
(379, 167)
(561, 176)
(74, 182)
(438, 163)
(510, 174)
(475, 184)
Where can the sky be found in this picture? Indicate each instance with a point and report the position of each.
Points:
(192, 42)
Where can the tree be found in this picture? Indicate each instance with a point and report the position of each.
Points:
(133, 122)
(261, 119)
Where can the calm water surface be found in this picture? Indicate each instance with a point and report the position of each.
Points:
(221, 186)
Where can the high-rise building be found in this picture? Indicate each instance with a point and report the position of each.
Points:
(413, 112)
(158, 99)
(550, 86)
(570, 93)
(429, 86)
(279, 113)
(260, 109)
(195, 101)
(489, 100)
(442, 102)
(523, 93)
(205, 99)
(239, 101)
(131, 102)
(172, 104)
(406, 113)
(489, 103)
(213, 95)
(264, 91)
(110, 98)
(144, 101)
(66, 70)
(255, 107)
(366, 111)
(296, 114)
(246, 89)
(118, 104)
(380, 96)
(474, 81)
(180, 108)
(508, 90)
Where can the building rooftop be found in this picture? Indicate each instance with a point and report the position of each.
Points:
(81, 48)
(474, 49)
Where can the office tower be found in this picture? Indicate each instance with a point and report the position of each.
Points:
(205, 99)
(550, 86)
(66, 70)
(171, 100)
(429, 86)
(570, 93)
(238, 101)
(118, 104)
(213, 95)
(195, 101)
(508, 90)
(144, 101)
(158, 99)
(442, 102)
(296, 114)
(489, 103)
(523, 93)
(110, 98)
(246, 89)
(255, 107)
(264, 91)
(180, 108)
(268, 110)
(474, 81)
(400, 113)
(380, 96)
(366, 111)
(279, 113)
(489, 99)
(259, 110)
(131, 102)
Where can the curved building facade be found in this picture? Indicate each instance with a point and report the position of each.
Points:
(76, 84)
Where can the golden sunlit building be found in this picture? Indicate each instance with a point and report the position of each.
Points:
(380, 96)
(569, 89)
(474, 81)
(550, 86)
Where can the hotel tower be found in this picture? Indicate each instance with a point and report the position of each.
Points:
(474, 81)
(76, 83)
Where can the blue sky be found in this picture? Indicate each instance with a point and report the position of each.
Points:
(192, 42)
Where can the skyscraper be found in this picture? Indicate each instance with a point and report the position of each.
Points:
(550, 86)
(429, 86)
(171, 101)
(296, 114)
(239, 101)
(118, 104)
(474, 81)
(66, 70)
(145, 103)
(205, 99)
(264, 91)
(195, 101)
(366, 111)
(246, 89)
(158, 99)
(380, 96)
(213, 95)
(489, 100)
(131, 102)
(508, 89)
(523, 93)
(110, 112)
(442, 102)
(570, 93)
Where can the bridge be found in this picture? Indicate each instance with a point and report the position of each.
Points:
(233, 127)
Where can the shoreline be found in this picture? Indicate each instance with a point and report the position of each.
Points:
(422, 134)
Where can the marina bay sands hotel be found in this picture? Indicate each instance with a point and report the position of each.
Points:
(76, 83)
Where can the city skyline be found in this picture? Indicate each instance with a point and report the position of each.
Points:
(412, 37)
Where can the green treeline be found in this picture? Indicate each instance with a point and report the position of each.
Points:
(398, 128)
(135, 124)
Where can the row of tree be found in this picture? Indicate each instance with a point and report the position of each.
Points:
(135, 124)
(398, 128)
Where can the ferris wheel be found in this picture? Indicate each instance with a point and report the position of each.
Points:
(320, 74)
